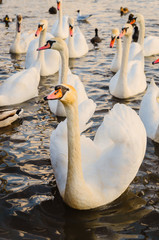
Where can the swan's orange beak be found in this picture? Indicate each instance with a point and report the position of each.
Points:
(58, 6)
(46, 46)
(122, 33)
(132, 21)
(38, 31)
(112, 42)
(71, 31)
(156, 61)
(57, 94)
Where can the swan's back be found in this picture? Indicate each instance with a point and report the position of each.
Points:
(21, 86)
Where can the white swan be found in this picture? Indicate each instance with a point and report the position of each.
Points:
(50, 60)
(21, 41)
(60, 27)
(76, 42)
(10, 116)
(149, 111)
(65, 75)
(90, 173)
(116, 62)
(21, 86)
(130, 80)
(149, 44)
(135, 52)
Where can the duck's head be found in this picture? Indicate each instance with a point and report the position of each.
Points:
(156, 61)
(127, 30)
(19, 21)
(41, 26)
(71, 25)
(63, 92)
(54, 43)
(58, 4)
(114, 35)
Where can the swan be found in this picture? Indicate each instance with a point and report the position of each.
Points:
(96, 39)
(21, 86)
(149, 44)
(8, 117)
(135, 51)
(149, 110)
(50, 60)
(60, 27)
(116, 62)
(82, 17)
(65, 75)
(130, 80)
(76, 42)
(21, 41)
(91, 173)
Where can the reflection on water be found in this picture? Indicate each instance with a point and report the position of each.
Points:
(30, 205)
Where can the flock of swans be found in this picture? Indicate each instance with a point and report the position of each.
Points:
(89, 173)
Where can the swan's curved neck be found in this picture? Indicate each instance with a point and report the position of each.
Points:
(75, 180)
(122, 81)
(42, 41)
(71, 43)
(141, 32)
(18, 34)
(119, 47)
(64, 65)
(60, 16)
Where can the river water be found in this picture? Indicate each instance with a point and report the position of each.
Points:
(30, 205)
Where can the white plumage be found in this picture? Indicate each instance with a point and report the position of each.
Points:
(109, 162)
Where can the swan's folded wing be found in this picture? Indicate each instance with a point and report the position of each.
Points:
(122, 138)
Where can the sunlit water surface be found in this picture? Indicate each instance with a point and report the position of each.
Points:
(30, 205)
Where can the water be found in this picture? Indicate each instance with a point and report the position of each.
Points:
(30, 205)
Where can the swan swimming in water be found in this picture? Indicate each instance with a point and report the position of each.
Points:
(65, 75)
(149, 110)
(76, 42)
(21, 41)
(60, 28)
(149, 44)
(130, 80)
(89, 173)
(50, 59)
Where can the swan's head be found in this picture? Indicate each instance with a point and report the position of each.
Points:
(71, 25)
(127, 30)
(156, 61)
(54, 43)
(19, 21)
(41, 26)
(114, 35)
(63, 92)
(59, 4)
(132, 19)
